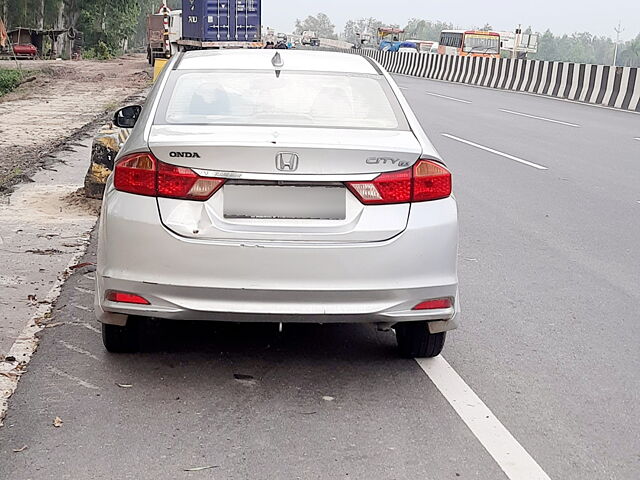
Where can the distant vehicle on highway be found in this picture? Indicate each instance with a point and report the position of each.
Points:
(518, 44)
(420, 46)
(362, 39)
(308, 38)
(474, 43)
(309, 196)
(156, 47)
(389, 39)
(408, 46)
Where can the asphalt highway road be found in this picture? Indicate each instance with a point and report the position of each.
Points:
(549, 195)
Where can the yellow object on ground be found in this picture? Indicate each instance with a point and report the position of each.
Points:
(158, 65)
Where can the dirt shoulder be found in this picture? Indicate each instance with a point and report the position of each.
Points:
(66, 98)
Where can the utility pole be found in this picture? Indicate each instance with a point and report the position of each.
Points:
(516, 41)
(618, 31)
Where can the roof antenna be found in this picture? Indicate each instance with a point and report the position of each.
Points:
(278, 63)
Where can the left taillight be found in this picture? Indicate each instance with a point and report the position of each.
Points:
(426, 180)
(136, 174)
(143, 174)
(182, 182)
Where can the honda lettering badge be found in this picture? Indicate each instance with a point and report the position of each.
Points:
(286, 161)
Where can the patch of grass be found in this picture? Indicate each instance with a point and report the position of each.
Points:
(111, 106)
(9, 79)
(100, 52)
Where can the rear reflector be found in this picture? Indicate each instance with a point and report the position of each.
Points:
(143, 174)
(123, 297)
(427, 180)
(434, 304)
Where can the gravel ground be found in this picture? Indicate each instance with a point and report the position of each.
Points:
(67, 99)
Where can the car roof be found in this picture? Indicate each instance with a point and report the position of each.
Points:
(261, 59)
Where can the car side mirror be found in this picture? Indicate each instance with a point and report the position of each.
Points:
(127, 117)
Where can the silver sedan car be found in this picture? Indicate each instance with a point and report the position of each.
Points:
(294, 186)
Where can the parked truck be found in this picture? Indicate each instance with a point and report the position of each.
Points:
(156, 47)
(216, 24)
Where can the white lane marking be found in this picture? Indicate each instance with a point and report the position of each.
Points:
(81, 307)
(539, 118)
(89, 327)
(448, 98)
(77, 380)
(86, 325)
(83, 290)
(497, 152)
(510, 456)
(73, 348)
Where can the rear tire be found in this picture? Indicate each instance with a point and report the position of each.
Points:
(117, 339)
(415, 340)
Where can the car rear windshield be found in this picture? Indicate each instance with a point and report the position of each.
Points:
(290, 99)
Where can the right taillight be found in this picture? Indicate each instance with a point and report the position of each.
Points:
(426, 180)
(143, 174)
(431, 181)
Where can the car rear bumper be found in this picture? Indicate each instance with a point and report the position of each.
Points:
(378, 282)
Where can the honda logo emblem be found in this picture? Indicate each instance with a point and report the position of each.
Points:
(286, 161)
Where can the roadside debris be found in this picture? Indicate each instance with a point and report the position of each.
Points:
(54, 324)
(80, 265)
(247, 380)
(327, 398)
(48, 251)
(21, 449)
(124, 385)
(57, 422)
(199, 469)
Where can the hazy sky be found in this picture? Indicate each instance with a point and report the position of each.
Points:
(561, 16)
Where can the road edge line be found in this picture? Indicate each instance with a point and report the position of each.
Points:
(507, 452)
(26, 344)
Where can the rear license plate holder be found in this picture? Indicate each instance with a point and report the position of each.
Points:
(284, 202)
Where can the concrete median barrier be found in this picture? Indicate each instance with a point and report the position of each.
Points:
(616, 87)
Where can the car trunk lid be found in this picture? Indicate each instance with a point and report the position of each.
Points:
(284, 184)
